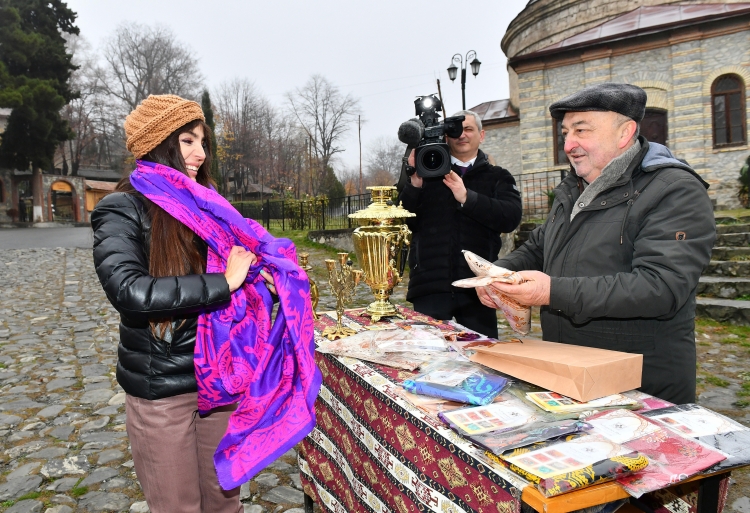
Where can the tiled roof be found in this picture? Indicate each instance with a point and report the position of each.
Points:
(645, 20)
(100, 186)
(495, 111)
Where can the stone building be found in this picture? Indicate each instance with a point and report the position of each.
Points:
(692, 58)
(62, 198)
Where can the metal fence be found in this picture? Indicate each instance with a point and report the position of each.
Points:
(536, 190)
(312, 214)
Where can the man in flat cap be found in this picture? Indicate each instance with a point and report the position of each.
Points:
(616, 264)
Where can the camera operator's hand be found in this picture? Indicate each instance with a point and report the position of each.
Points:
(415, 179)
(456, 185)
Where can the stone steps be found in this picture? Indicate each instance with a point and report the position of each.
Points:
(724, 310)
(728, 268)
(730, 253)
(722, 287)
(721, 229)
(741, 239)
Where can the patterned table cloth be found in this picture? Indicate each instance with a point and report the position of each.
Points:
(373, 451)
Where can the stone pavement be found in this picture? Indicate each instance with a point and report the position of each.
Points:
(63, 445)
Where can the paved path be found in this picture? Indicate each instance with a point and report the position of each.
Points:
(54, 237)
(63, 445)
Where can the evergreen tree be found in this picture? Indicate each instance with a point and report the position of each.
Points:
(332, 188)
(208, 112)
(34, 72)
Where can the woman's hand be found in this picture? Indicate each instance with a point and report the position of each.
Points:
(269, 281)
(238, 264)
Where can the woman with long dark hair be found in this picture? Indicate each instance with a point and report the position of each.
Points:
(211, 377)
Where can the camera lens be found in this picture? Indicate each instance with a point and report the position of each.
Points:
(432, 160)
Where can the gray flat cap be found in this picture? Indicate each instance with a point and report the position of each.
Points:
(625, 99)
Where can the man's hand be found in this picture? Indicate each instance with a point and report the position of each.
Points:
(415, 179)
(456, 185)
(534, 291)
(485, 298)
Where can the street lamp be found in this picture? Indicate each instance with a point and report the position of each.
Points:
(453, 70)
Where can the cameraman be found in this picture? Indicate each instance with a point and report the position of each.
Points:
(466, 209)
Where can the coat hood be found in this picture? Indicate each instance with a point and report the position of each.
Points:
(659, 156)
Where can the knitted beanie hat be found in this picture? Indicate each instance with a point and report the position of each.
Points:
(155, 119)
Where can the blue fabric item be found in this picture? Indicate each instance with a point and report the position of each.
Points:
(479, 389)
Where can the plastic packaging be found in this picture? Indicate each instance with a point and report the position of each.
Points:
(457, 381)
(499, 442)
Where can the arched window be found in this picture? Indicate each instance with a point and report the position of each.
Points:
(728, 102)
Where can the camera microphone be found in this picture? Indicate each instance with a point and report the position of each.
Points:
(411, 132)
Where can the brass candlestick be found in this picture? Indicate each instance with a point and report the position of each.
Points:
(382, 244)
(342, 281)
(314, 294)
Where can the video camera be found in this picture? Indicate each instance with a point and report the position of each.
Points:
(432, 156)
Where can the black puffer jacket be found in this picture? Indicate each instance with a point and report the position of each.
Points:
(146, 366)
(443, 227)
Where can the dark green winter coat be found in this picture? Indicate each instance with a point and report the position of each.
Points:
(624, 272)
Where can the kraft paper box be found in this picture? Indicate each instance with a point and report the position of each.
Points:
(583, 373)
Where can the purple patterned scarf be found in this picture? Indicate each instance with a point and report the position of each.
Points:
(241, 355)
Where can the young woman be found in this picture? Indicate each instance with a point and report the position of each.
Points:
(199, 354)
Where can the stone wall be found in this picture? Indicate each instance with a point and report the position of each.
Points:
(6, 197)
(339, 239)
(546, 22)
(499, 141)
(677, 75)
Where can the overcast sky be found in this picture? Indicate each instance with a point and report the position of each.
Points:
(384, 52)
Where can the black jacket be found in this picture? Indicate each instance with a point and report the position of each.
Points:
(443, 227)
(624, 272)
(148, 367)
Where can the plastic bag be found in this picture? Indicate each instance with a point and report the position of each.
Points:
(457, 381)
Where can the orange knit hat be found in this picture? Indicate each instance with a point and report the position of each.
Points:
(155, 119)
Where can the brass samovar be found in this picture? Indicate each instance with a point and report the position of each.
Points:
(382, 244)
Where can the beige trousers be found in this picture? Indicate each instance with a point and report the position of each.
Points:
(173, 448)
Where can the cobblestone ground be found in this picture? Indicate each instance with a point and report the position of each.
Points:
(63, 445)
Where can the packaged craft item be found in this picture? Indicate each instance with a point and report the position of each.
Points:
(518, 315)
(672, 458)
(620, 426)
(710, 428)
(499, 442)
(457, 381)
(502, 416)
(556, 403)
(575, 463)
(647, 402)
(434, 406)
(403, 349)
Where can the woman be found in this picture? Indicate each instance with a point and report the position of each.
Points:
(159, 241)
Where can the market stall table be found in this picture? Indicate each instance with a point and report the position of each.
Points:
(374, 451)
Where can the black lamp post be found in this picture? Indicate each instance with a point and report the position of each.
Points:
(452, 71)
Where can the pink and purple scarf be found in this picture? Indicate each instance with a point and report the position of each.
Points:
(242, 355)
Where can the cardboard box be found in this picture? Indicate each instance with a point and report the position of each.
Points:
(583, 373)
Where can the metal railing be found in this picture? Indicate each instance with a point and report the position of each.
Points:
(311, 214)
(536, 189)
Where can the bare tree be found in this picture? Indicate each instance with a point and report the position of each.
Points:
(383, 159)
(325, 114)
(140, 60)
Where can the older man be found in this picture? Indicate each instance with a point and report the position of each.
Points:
(466, 209)
(617, 262)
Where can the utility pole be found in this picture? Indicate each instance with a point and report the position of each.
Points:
(440, 95)
(359, 125)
